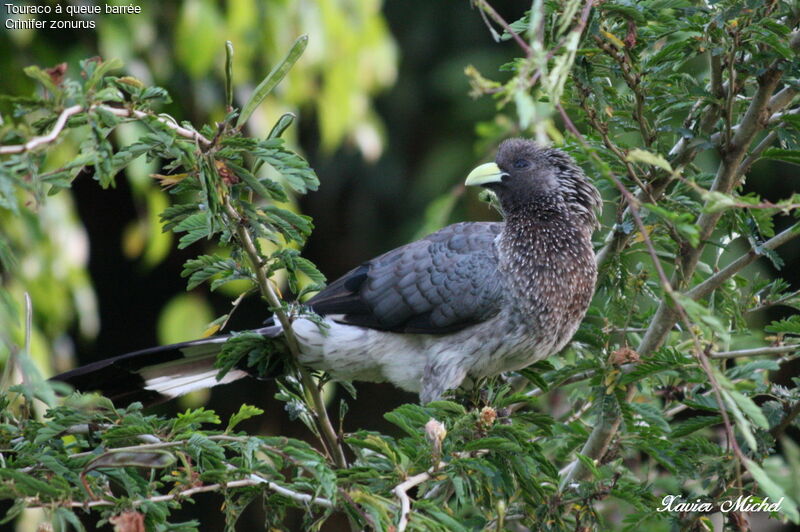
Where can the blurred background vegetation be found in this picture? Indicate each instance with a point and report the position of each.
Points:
(384, 117)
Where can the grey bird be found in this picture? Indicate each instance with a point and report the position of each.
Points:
(471, 300)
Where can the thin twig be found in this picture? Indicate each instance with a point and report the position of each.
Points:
(757, 351)
(602, 129)
(633, 204)
(116, 111)
(767, 304)
(489, 10)
(149, 446)
(44, 139)
(715, 281)
(401, 491)
(34, 502)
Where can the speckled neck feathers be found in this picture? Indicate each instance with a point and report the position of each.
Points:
(547, 262)
(545, 251)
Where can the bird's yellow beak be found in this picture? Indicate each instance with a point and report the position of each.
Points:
(485, 174)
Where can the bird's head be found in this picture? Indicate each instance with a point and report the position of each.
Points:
(528, 176)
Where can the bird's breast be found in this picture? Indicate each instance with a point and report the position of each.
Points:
(549, 278)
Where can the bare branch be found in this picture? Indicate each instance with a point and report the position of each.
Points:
(715, 281)
(33, 502)
(167, 121)
(401, 491)
(757, 351)
(44, 139)
(116, 111)
(605, 428)
(484, 6)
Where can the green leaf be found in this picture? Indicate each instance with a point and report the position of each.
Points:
(154, 459)
(779, 154)
(192, 419)
(664, 360)
(790, 325)
(588, 462)
(245, 412)
(265, 188)
(410, 418)
(299, 176)
(248, 344)
(273, 78)
(42, 77)
(295, 226)
(206, 267)
(694, 424)
(717, 201)
(748, 370)
(101, 69)
(196, 227)
(683, 222)
(175, 214)
(774, 491)
(229, 73)
(750, 408)
(28, 485)
(281, 125)
(637, 155)
(493, 444)
(741, 422)
(651, 415)
(628, 12)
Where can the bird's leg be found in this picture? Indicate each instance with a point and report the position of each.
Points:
(440, 375)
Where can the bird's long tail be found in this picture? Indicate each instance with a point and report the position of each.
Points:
(158, 374)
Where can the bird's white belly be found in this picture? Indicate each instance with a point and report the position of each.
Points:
(348, 352)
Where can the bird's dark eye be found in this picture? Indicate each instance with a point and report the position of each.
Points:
(519, 164)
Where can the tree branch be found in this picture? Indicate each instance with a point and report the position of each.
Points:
(61, 122)
(715, 281)
(401, 492)
(605, 428)
(484, 6)
(44, 139)
(757, 351)
(268, 293)
(33, 502)
(726, 178)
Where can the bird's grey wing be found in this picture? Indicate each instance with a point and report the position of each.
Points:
(440, 284)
